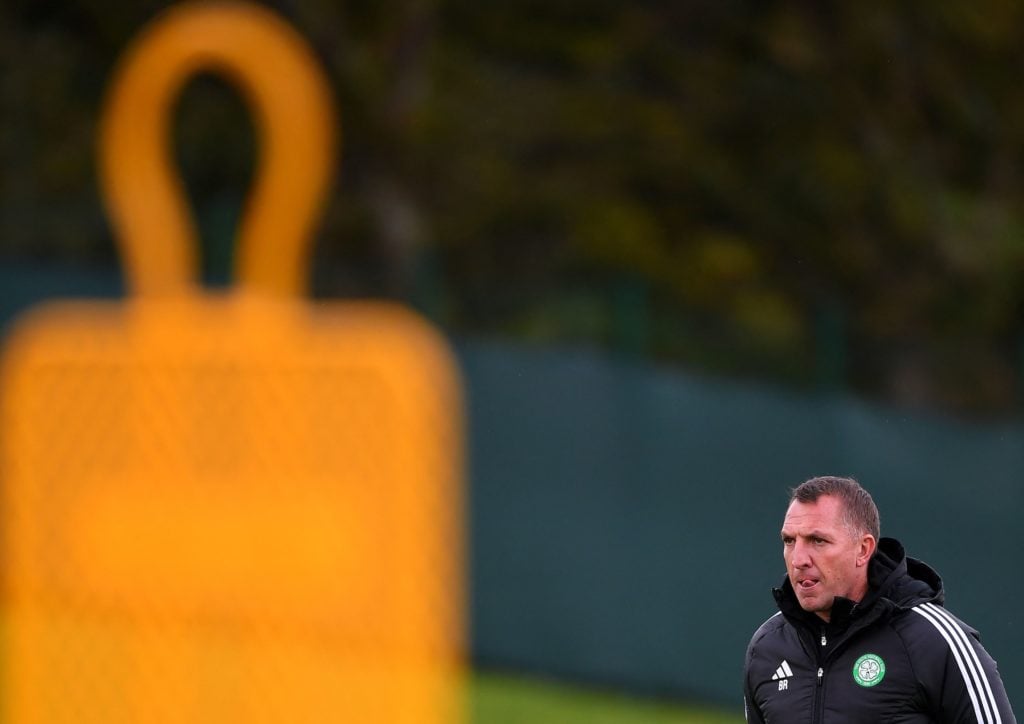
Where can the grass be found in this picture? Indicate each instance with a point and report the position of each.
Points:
(498, 699)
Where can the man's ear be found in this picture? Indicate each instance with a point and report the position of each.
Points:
(868, 544)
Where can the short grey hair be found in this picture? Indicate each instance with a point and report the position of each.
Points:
(859, 510)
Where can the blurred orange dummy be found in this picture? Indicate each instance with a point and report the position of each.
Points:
(234, 507)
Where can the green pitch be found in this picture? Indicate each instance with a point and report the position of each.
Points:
(512, 700)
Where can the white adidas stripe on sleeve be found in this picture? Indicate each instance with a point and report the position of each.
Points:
(985, 709)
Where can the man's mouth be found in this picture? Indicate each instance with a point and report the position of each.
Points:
(806, 584)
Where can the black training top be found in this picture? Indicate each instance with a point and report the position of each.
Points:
(897, 656)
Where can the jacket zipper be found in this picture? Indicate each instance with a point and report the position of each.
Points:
(819, 696)
(819, 689)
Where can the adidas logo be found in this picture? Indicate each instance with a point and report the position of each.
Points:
(782, 675)
(783, 672)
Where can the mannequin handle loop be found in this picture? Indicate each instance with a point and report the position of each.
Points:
(294, 120)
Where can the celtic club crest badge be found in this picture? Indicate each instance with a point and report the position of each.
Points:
(869, 670)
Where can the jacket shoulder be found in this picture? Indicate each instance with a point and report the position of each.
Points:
(956, 671)
(771, 625)
(931, 625)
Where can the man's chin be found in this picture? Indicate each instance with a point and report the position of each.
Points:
(814, 604)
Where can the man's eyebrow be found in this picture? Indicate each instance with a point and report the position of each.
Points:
(811, 534)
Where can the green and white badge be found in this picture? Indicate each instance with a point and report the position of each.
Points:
(869, 670)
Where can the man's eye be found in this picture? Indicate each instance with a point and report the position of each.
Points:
(787, 541)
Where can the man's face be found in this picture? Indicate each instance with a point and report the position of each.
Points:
(823, 558)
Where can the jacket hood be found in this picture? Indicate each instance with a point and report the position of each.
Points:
(894, 581)
(903, 580)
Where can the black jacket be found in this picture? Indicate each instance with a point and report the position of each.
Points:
(897, 656)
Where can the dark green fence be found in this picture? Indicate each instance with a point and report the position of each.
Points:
(625, 518)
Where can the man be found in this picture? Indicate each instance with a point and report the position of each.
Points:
(861, 634)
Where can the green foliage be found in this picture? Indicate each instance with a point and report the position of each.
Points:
(751, 166)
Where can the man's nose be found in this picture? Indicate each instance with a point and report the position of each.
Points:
(800, 557)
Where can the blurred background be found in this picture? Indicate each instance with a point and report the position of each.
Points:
(688, 254)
